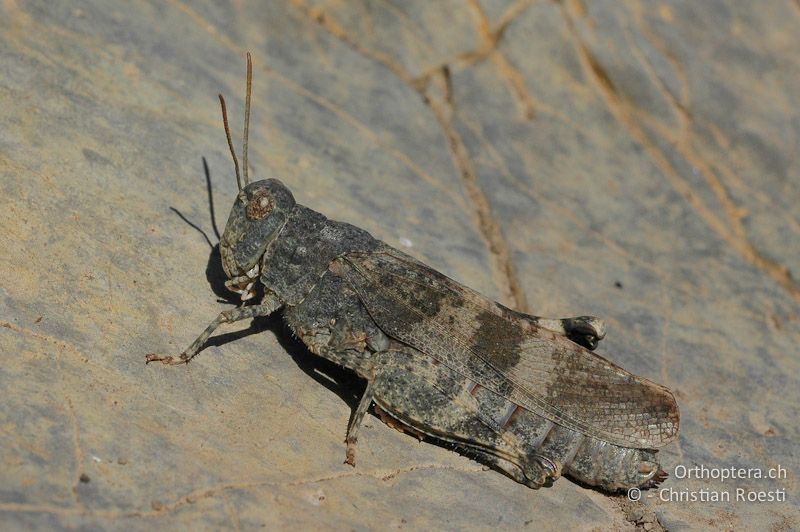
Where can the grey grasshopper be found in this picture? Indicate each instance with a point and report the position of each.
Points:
(523, 394)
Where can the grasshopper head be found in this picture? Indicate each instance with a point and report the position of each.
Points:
(259, 213)
(257, 216)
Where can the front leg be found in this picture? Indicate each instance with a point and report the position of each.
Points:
(268, 305)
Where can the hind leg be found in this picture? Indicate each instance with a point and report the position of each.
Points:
(613, 468)
(428, 398)
(533, 473)
(583, 330)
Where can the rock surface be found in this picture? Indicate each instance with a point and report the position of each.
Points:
(633, 161)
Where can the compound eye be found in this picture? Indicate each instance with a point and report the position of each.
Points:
(260, 205)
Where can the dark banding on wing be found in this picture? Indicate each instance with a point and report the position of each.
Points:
(499, 338)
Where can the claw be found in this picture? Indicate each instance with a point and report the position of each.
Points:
(657, 479)
(350, 458)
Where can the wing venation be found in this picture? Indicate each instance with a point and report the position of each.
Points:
(535, 368)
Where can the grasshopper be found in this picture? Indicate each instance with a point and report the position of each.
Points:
(523, 394)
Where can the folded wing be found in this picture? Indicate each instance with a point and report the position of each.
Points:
(535, 368)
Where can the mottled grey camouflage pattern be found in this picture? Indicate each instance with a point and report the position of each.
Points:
(440, 359)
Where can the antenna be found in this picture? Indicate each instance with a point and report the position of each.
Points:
(247, 117)
(230, 142)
